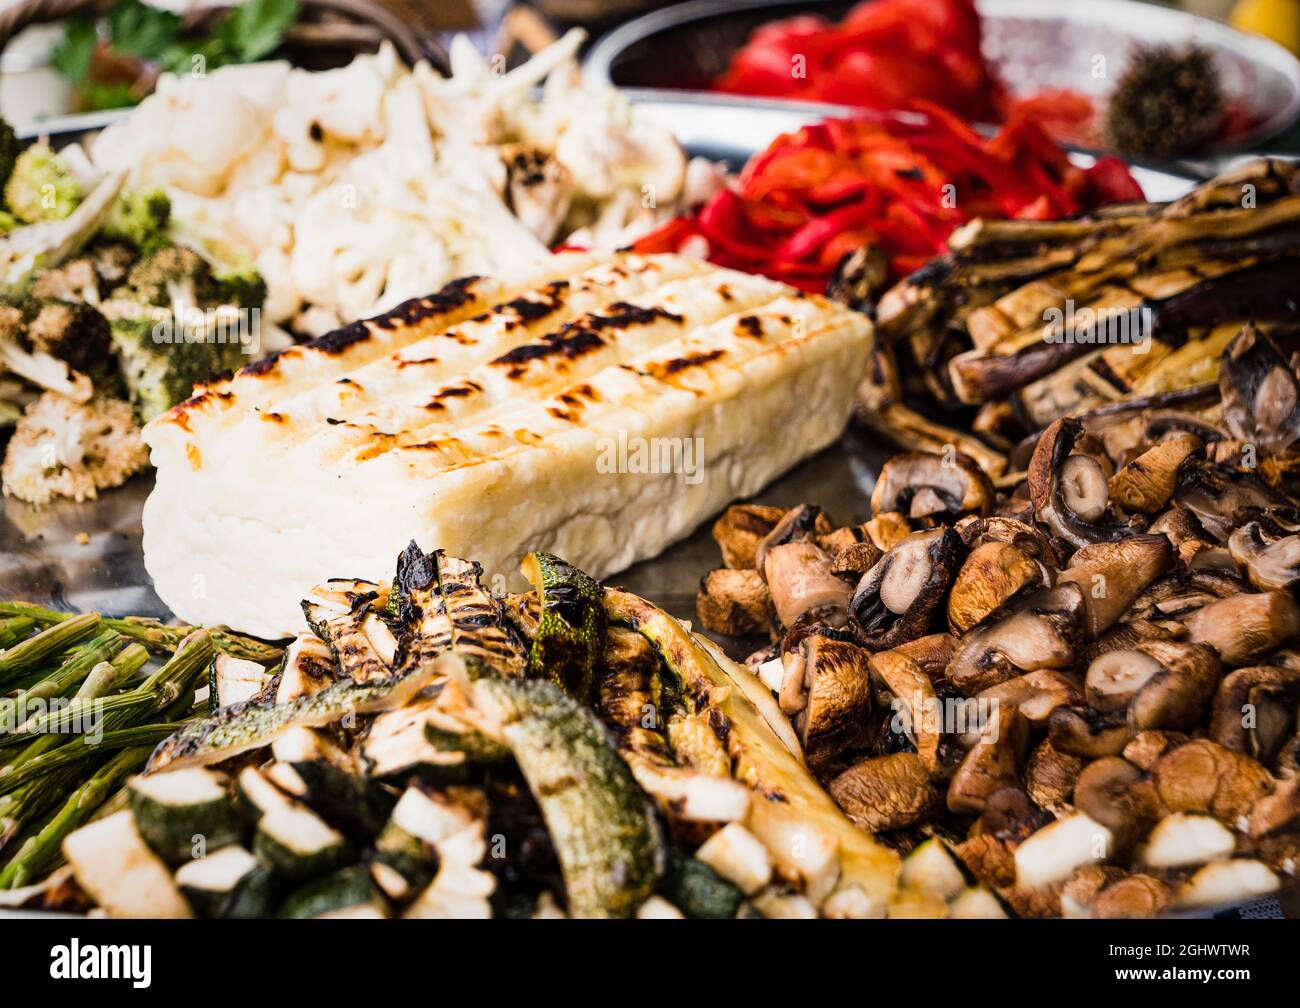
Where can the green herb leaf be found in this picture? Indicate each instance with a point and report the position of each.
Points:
(71, 57)
(138, 30)
(254, 28)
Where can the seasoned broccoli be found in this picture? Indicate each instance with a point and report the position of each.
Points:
(10, 145)
(172, 277)
(37, 366)
(242, 287)
(161, 367)
(42, 186)
(139, 217)
(65, 449)
(78, 335)
(76, 280)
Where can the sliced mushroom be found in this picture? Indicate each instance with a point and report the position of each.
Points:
(1084, 885)
(854, 560)
(1035, 694)
(1204, 777)
(1027, 538)
(739, 531)
(1149, 746)
(994, 762)
(1261, 392)
(1069, 492)
(1180, 525)
(886, 792)
(932, 488)
(905, 689)
(1011, 814)
(1050, 776)
(1277, 811)
(1147, 483)
(1112, 575)
(1215, 495)
(1271, 565)
(1161, 684)
(797, 525)
(733, 602)
(826, 690)
(1245, 627)
(895, 600)
(1118, 795)
(1127, 635)
(887, 530)
(1254, 711)
(932, 653)
(994, 573)
(800, 580)
(1134, 896)
(1083, 731)
(1043, 632)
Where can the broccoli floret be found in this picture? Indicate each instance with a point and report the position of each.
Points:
(37, 366)
(96, 444)
(75, 281)
(243, 287)
(42, 186)
(160, 362)
(10, 146)
(172, 277)
(78, 335)
(139, 218)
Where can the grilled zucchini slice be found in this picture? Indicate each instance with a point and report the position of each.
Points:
(570, 638)
(234, 680)
(115, 866)
(184, 813)
(406, 855)
(348, 892)
(228, 883)
(697, 890)
(289, 837)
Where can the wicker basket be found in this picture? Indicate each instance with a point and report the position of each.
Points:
(412, 42)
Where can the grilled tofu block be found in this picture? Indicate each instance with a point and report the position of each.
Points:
(604, 429)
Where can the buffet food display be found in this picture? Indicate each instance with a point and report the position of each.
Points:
(420, 365)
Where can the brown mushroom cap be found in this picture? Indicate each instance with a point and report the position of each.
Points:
(1043, 632)
(1135, 896)
(1035, 694)
(1254, 711)
(994, 762)
(1245, 627)
(886, 792)
(904, 688)
(733, 603)
(854, 560)
(1069, 492)
(994, 573)
(1147, 483)
(799, 524)
(1148, 746)
(930, 487)
(1082, 731)
(932, 653)
(1271, 564)
(1118, 795)
(887, 530)
(1112, 575)
(1161, 684)
(800, 580)
(893, 601)
(740, 529)
(1203, 776)
(1050, 776)
(827, 691)
(1027, 538)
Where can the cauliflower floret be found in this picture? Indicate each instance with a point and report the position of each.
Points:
(65, 449)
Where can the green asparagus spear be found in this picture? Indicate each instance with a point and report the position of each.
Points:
(44, 847)
(74, 669)
(53, 640)
(15, 628)
(153, 634)
(18, 776)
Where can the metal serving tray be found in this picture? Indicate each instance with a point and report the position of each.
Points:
(88, 556)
